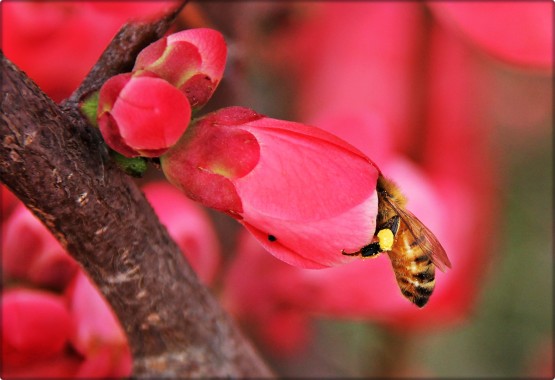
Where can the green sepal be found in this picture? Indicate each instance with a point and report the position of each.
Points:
(89, 108)
(134, 167)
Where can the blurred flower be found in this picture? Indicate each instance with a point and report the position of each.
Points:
(512, 91)
(192, 60)
(527, 42)
(284, 181)
(43, 330)
(97, 334)
(265, 294)
(8, 200)
(339, 57)
(30, 252)
(140, 114)
(76, 334)
(57, 43)
(49, 335)
(188, 225)
(35, 325)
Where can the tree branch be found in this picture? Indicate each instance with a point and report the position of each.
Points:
(60, 168)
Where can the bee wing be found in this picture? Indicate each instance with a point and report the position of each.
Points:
(425, 238)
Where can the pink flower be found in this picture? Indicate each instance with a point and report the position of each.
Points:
(352, 56)
(520, 33)
(188, 225)
(140, 114)
(57, 43)
(56, 367)
(49, 335)
(97, 335)
(30, 252)
(35, 325)
(366, 289)
(285, 182)
(192, 60)
(8, 200)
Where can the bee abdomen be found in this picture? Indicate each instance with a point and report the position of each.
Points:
(426, 276)
(417, 299)
(416, 280)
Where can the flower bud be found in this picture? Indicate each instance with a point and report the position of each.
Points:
(31, 253)
(35, 325)
(192, 60)
(140, 114)
(303, 193)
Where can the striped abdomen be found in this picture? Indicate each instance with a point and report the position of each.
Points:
(413, 268)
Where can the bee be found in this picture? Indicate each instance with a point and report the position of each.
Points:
(413, 249)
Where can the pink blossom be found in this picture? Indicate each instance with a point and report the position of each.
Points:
(365, 289)
(50, 335)
(188, 225)
(35, 325)
(507, 96)
(57, 43)
(520, 33)
(97, 334)
(140, 114)
(30, 252)
(45, 329)
(353, 57)
(56, 367)
(8, 200)
(285, 182)
(192, 60)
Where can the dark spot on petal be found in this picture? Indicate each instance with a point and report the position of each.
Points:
(272, 238)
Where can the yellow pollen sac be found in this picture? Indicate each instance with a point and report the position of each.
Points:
(385, 237)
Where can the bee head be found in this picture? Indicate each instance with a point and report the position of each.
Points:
(389, 189)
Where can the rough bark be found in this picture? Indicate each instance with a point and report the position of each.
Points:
(60, 168)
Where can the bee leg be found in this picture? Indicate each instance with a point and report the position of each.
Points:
(392, 224)
(373, 248)
(386, 232)
(368, 250)
(350, 253)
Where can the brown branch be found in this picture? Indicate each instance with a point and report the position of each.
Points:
(60, 168)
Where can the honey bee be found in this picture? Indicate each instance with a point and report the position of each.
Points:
(413, 249)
